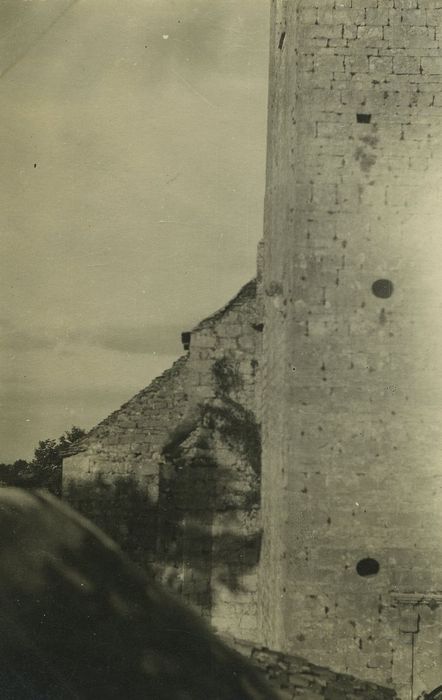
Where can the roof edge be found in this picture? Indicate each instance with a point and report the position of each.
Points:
(82, 444)
(247, 291)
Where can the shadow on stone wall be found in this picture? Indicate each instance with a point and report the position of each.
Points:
(210, 494)
(122, 509)
(203, 533)
(159, 536)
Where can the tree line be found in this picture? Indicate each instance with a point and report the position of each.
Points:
(44, 469)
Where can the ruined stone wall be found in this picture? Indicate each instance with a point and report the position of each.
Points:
(352, 450)
(174, 475)
(293, 677)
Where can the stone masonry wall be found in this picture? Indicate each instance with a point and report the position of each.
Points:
(113, 474)
(352, 446)
(293, 677)
(210, 479)
(174, 475)
(129, 441)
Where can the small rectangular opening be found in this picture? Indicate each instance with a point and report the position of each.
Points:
(363, 118)
(185, 339)
(281, 40)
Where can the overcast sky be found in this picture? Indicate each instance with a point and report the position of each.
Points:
(132, 180)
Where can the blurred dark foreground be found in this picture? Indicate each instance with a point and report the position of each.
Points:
(79, 620)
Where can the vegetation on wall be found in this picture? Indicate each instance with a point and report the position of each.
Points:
(195, 482)
(235, 425)
(212, 466)
(124, 511)
(226, 375)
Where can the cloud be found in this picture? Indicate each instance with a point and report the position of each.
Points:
(141, 164)
(134, 339)
(157, 339)
(15, 339)
(162, 340)
(122, 337)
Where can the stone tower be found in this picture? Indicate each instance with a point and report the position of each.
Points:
(352, 407)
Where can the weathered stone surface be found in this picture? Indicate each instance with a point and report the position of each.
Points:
(293, 677)
(352, 445)
(174, 475)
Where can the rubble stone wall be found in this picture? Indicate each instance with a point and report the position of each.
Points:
(293, 677)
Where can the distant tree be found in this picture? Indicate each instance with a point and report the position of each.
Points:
(20, 469)
(16, 474)
(44, 471)
(47, 454)
(20, 465)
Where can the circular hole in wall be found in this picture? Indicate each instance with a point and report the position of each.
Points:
(367, 567)
(382, 288)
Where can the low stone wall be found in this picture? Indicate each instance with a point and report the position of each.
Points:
(292, 677)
